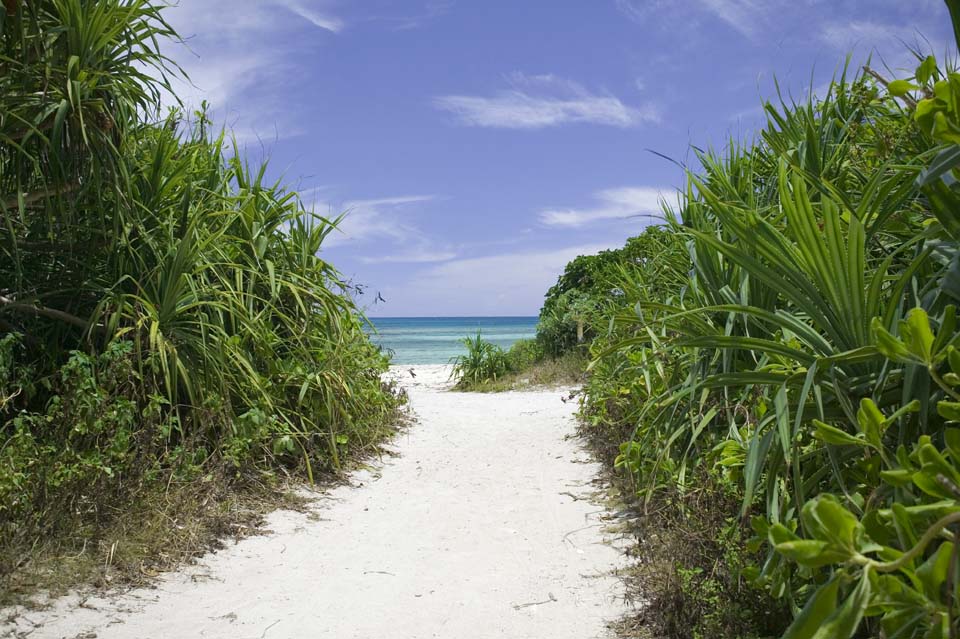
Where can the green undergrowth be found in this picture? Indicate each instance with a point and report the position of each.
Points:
(685, 570)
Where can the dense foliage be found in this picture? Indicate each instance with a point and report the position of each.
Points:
(793, 341)
(591, 284)
(163, 308)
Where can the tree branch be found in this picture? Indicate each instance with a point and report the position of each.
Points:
(13, 201)
(910, 102)
(51, 313)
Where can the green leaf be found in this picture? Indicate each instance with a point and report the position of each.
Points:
(917, 335)
(949, 410)
(951, 437)
(899, 88)
(815, 612)
(889, 346)
(934, 463)
(812, 553)
(844, 621)
(953, 356)
(926, 70)
(944, 162)
(824, 518)
(783, 420)
(934, 570)
(756, 458)
(899, 477)
(871, 421)
(832, 435)
(780, 534)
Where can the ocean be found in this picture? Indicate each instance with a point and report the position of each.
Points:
(435, 340)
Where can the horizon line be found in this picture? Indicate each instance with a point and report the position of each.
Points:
(450, 316)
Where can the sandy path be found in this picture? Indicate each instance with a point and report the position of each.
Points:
(470, 532)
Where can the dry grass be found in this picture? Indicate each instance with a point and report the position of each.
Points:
(162, 526)
(155, 530)
(567, 370)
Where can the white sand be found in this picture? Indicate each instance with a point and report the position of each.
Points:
(470, 532)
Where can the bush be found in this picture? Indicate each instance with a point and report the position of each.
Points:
(523, 354)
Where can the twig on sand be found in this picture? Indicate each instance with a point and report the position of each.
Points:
(535, 603)
(265, 630)
(571, 496)
(378, 572)
(566, 538)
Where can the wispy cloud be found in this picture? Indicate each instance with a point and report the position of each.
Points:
(432, 9)
(746, 16)
(766, 21)
(411, 257)
(385, 224)
(314, 16)
(237, 52)
(892, 44)
(381, 218)
(612, 204)
(534, 102)
(844, 35)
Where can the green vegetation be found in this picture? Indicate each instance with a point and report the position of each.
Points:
(776, 371)
(166, 325)
(487, 368)
(483, 361)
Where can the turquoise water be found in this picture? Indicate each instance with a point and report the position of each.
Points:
(434, 340)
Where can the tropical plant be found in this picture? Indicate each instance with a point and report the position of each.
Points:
(792, 358)
(161, 301)
(483, 362)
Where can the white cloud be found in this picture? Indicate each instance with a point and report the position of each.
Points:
(743, 15)
(313, 16)
(891, 45)
(381, 218)
(236, 53)
(384, 224)
(506, 284)
(431, 10)
(539, 101)
(844, 35)
(746, 16)
(612, 204)
(411, 257)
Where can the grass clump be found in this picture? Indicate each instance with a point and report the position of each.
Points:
(484, 361)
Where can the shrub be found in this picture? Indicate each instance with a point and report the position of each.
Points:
(523, 354)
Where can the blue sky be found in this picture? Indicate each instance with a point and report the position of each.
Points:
(479, 145)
